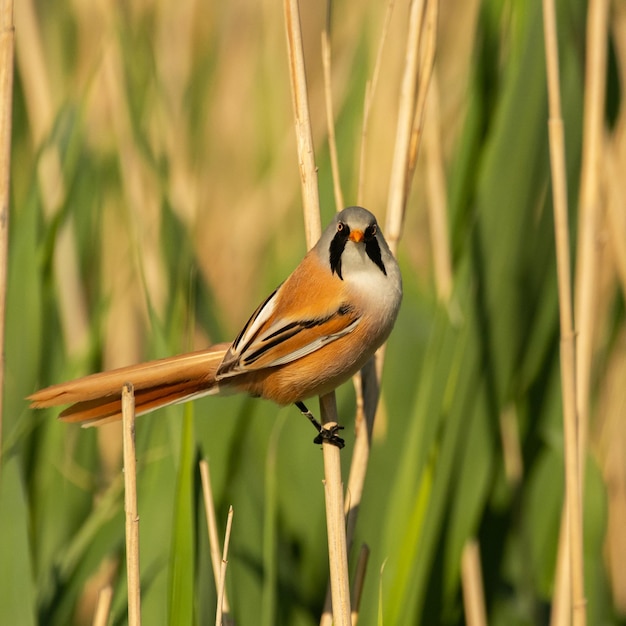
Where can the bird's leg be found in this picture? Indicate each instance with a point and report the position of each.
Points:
(324, 434)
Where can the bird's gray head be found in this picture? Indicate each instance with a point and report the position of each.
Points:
(354, 237)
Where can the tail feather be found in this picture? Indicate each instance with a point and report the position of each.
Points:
(96, 399)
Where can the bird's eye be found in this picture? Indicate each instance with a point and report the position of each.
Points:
(343, 229)
(370, 232)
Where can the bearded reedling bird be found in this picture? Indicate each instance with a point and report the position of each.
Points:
(308, 337)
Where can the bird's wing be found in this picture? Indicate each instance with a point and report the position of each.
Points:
(291, 323)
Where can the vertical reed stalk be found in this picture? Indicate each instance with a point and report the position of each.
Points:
(359, 582)
(221, 587)
(437, 199)
(103, 607)
(336, 522)
(370, 90)
(568, 346)
(130, 507)
(472, 578)
(214, 544)
(333, 485)
(330, 119)
(398, 183)
(302, 120)
(589, 207)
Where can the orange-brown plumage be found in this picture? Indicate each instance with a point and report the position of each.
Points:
(314, 332)
(97, 397)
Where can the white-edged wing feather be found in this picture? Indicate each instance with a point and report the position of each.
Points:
(269, 340)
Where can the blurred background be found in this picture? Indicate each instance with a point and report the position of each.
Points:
(156, 201)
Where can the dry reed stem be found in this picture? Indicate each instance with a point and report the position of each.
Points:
(333, 486)
(590, 204)
(330, 120)
(130, 506)
(587, 254)
(398, 185)
(302, 120)
(103, 607)
(611, 406)
(335, 522)
(359, 582)
(615, 216)
(368, 392)
(366, 386)
(472, 583)
(428, 45)
(7, 36)
(568, 348)
(437, 199)
(222, 580)
(370, 90)
(211, 520)
(610, 443)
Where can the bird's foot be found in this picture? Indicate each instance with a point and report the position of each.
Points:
(328, 435)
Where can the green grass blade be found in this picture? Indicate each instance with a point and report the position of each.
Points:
(17, 589)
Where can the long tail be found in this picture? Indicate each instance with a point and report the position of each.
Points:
(96, 399)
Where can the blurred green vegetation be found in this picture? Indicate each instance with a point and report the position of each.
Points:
(155, 201)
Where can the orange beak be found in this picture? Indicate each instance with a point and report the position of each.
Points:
(356, 236)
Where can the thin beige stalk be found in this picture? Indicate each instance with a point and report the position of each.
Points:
(428, 45)
(615, 216)
(398, 184)
(330, 120)
(211, 520)
(221, 589)
(333, 485)
(369, 391)
(561, 609)
(568, 347)
(472, 579)
(589, 208)
(302, 120)
(130, 506)
(6, 101)
(590, 203)
(335, 522)
(103, 607)
(370, 90)
(359, 582)
(437, 199)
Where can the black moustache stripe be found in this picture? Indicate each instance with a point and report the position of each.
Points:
(373, 252)
(336, 249)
